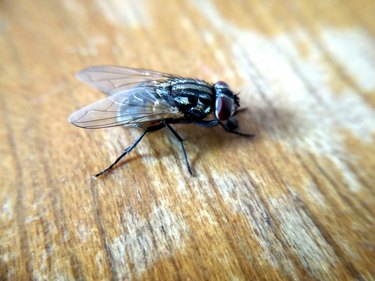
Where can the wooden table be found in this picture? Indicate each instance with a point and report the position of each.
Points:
(296, 202)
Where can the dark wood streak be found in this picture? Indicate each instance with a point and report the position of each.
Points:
(20, 211)
(48, 247)
(302, 271)
(25, 258)
(362, 179)
(98, 217)
(328, 238)
(272, 225)
(60, 216)
(347, 199)
(323, 230)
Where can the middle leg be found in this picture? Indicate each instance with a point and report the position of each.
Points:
(182, 145)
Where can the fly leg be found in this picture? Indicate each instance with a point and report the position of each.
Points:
(207, 123)
(130, 148)
(230, 130)
(239, 110)
(212, 123)
(182, 145)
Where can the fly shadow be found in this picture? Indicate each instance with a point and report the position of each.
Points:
(264, 123)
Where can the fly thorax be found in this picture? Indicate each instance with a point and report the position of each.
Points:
(193, 97)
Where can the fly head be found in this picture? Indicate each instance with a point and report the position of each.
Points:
(226, 102)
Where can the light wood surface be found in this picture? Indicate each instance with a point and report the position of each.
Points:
(296, 202)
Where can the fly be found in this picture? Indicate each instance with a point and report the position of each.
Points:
(154, 100)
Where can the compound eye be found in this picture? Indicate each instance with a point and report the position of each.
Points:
(221, 84)
(223, 108)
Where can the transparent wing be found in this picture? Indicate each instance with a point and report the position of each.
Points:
(114, 79)
(132, 106)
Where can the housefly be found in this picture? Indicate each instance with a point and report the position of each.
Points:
(154, 100)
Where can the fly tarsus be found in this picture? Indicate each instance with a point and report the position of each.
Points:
(230, 130)
(215, 122)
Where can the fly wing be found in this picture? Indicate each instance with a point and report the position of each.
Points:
(114, 79)
(132, 106)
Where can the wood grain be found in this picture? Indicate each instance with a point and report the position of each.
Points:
(295, 203)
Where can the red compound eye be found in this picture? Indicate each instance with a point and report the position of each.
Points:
(223, 108)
